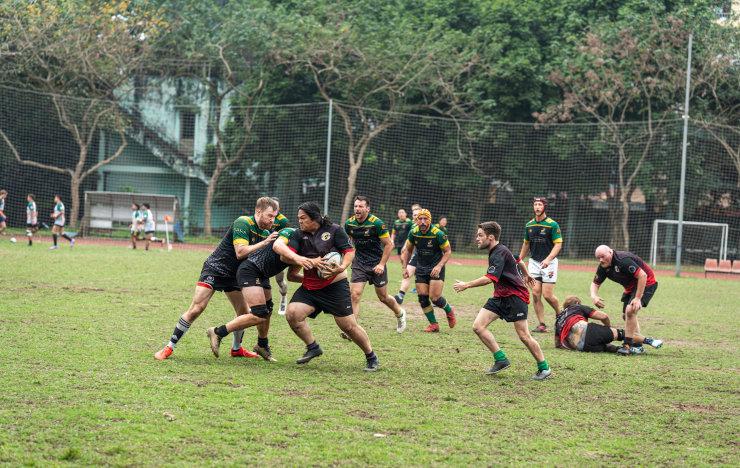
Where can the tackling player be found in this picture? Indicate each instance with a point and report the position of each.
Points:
(246, 235)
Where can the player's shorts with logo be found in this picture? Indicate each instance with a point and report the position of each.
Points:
(217, 283)
(365, 274)
(425, 276)
(543, 275)
(509, 308)
(646, 296)
(334, 299)
(248, 275)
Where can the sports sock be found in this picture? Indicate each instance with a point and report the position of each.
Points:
(54, 237)
(263, 342)
(627, 341)
(312, 346)
(67, 237)
(180, 329)
(371, 356)
(237, 343)
(221, 331)
(543, 365)
(430, 315)
(401, 294)
(499, 355)
(648, 341)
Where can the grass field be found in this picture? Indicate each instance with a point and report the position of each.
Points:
(78, 383)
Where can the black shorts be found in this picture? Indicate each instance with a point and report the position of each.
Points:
(399, 249)
(509, 308)
(365, 274)
(334, 299)
(646, 296)
(149, 232)
(218, 282)
(248, 275)
(424, 276)
(597, 338)
(32, 226)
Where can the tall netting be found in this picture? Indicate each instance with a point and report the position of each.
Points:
(604, 184)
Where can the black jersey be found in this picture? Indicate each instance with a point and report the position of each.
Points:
(569, 317)
(366, 236)
(244, 231)
(328, 238)
(502, 270)
(266, 260)
(625, 269)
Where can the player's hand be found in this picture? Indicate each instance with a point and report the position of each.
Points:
(460, 286)
(330, 269)
(379, 269)
(305, 263)
(435, 271)
(545, 263)
(636, 304)
(271, 237)
(598, 302)
(529, 280)
(406, 273)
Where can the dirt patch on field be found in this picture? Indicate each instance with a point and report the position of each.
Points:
(363, 415)
(696, 408)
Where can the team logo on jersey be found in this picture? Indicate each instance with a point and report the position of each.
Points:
(325, 236)
(367, 232)
(542, 231)
(209, 279)
(616, 268)
(632, 269)
(429, 244)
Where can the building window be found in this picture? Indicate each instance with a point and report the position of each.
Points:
(187, 125)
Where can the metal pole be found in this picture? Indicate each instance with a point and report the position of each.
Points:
(681, 195)
(328, 157)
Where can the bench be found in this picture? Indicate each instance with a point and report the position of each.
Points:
(711, 265)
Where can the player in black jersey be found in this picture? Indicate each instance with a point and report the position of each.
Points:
(253, 276)
(509, 301)
(246, 235)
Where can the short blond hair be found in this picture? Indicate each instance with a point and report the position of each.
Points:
(264, 203)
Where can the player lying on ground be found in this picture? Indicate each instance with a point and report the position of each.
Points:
(573, 330)
(253, 276)
(246, 235)
(509, 301)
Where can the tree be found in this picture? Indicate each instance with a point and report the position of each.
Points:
(628, 79)
(68, 48)
(363, 57)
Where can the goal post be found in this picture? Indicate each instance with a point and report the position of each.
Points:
(111, 211)
(718, 242)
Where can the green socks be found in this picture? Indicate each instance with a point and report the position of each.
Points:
(430, 316)
(543, 365)
(499, 355)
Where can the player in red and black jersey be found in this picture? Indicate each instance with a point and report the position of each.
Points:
(327, 291)
(573, 330)
(639, 284)
(509, 301)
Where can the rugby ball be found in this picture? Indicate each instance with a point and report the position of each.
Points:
(333, 258)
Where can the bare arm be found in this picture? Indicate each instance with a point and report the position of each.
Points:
(408, 249)
(291, 257)
(461, 286)
(528, 280)
(244, 250)
(524, 251)
(387, 249)
(553, 253)
(601, 317)
(598, 302)
(445, 257)
(294, 274)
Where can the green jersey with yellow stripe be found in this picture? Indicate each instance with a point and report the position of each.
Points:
(542, 237)
(243, 231)
(366, 236)
(280, 223)
(429, 247)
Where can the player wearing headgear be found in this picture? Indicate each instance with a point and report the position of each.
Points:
(246, 235)
(373, 247)
(542, 241)
(327, 292)
(433, 251)
(509, 301)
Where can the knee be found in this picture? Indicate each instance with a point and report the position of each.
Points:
(356, 295)
(478, 329)
(550, 296)
(439, 301)
(424, 300)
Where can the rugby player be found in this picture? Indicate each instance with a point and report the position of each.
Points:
(639, 284)
(59, 221)
(373, 247)
(328, 292)
(573, 330)
(246, 235)
(433, 251)
(542, 241)
(509, 301)
(253, 276)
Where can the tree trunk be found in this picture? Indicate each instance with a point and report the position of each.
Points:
(74, 192)
(209, 198)
(616, 223)
(625, 208)
(351, 189)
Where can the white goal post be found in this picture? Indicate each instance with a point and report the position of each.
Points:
(724, 236)
(108, 211)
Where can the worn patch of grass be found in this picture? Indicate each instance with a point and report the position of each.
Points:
(78, 383)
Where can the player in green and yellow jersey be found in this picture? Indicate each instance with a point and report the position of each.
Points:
(246, 235)
(432, 252)
(373, 247)
(542, 241)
